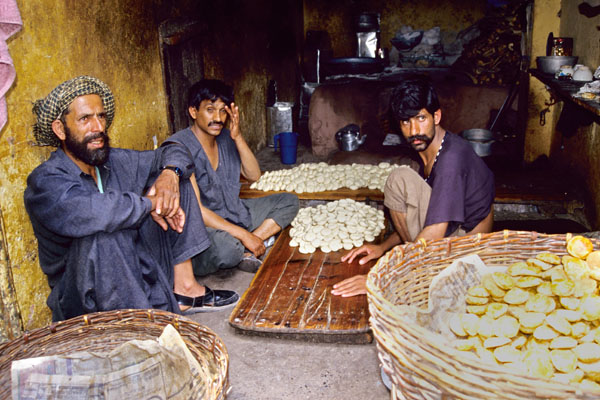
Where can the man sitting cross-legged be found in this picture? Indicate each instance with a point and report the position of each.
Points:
(238, 228)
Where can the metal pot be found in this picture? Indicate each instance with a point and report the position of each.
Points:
(551, 64)
(349, 140)
(367, 22)
(351, 65)
(480, 139)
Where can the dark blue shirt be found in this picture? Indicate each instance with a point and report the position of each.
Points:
(64, 203)
(220, 188)
(462, 186)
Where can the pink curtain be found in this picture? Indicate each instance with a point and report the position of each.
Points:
(10, 23)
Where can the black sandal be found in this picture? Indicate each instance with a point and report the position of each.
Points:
(213, 300)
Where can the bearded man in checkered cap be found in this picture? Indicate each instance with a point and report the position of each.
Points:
(116, 228)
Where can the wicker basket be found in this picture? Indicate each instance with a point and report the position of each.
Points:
(419, 366)
(104, 331)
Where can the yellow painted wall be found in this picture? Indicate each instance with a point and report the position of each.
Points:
(335, 17)
(538, 138)
(114, 40)
(117, 41)
(581, 152)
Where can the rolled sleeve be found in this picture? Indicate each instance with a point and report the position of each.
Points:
(177, 155)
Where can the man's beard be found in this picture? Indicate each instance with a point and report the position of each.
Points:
(80, 150)
(426, 141)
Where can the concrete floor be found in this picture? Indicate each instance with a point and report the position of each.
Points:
(263, 368)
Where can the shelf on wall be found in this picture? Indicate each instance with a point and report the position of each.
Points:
(566, 90)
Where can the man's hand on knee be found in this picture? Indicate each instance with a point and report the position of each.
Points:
(176, 222)
(164, 195)
(166, 191)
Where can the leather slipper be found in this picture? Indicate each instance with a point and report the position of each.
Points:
(213, 300)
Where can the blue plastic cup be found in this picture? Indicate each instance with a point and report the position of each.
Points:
(288, 143)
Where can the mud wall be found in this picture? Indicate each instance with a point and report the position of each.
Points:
(580, 152)
(246, 44)
(576, 151)
(336, 17)
(114, 40)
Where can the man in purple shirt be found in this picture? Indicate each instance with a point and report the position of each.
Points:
(116, 228)
(453, 193)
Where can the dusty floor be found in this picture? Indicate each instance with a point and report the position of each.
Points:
(264, 368)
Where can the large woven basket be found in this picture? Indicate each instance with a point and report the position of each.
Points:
(420, 365)
(104, 331)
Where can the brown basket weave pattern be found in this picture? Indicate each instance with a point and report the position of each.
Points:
(104, 331)
(419, 364)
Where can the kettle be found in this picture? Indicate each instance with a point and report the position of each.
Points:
(349, 138)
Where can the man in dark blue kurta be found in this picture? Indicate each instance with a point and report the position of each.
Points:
(238, 228)
(115, 227)
(453, 194)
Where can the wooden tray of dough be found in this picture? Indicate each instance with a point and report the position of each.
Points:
(361, 194)
(290, 297)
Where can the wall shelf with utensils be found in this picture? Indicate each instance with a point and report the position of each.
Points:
(567, 90)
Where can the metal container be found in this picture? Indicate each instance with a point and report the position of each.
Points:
(551, 64)
(367, 35)
(562, 46)
(367, 21)
(349, 138)
(367, 44)
(480, 139)
(279, 119)
(352, 65)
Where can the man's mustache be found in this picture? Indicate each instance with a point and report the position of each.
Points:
(211, 123)
(99, 135)
(422, 138)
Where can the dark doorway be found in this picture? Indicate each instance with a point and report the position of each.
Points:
(183, 65)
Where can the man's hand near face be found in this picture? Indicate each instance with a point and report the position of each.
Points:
(234, 120)
(250, 169)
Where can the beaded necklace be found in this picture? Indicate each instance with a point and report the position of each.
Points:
(435, 159)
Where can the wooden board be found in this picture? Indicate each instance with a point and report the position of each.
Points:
(360, 194)
(503, 195)
(290, 296)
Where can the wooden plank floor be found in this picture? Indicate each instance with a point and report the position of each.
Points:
(290, 296)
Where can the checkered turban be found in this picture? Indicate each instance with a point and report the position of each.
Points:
(51, 108)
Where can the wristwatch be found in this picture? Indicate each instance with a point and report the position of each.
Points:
(173, 168)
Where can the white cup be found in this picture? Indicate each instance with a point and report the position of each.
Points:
(582, 74)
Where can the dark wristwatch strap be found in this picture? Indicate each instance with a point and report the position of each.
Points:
(173, 168)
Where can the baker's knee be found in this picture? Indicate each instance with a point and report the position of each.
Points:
(229, 256)
(227, 250)
(288, 206)
(291, 201)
